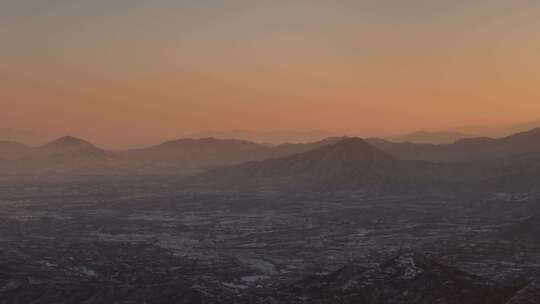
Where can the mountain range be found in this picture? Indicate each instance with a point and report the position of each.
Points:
(350, 163)
(499, 130)
(347, 162)
(520, 145)
(437, 138)
(354, 164)
(66, 155)
(73, 156)
(195, 155)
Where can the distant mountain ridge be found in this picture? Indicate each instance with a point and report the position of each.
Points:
(194, 154)
(436, 138)
(181, 156)
(66, 155)
(355, 164)
(520, 145)
(189, 156)
(498, 131)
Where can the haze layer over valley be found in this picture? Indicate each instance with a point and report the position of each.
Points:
(232, 221)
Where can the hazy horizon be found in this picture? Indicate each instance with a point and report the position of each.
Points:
(276, 137)
(130, 73)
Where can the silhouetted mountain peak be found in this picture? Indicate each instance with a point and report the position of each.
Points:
(69, 145)
(353, 142)
(355, 149)
(332, 140)
(69, 142)
(350, 163)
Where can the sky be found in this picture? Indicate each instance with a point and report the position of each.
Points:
(133, 72)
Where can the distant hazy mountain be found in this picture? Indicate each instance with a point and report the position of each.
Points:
(290, 149)
(351, 163)
(354, 164)
(10, 150)
(423, 137)
(66, 155)
(182, 156)
(499, 130)
(68, 146)
(195, 154)
(520, 145)
(307, 163)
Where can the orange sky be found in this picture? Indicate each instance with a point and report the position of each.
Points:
(133, 72)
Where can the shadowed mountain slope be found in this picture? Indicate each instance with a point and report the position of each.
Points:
(530, 294)
(407, 278)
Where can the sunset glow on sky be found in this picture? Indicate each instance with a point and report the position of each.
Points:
(129, 72)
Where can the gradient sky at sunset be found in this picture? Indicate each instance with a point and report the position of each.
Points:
(130, 72)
